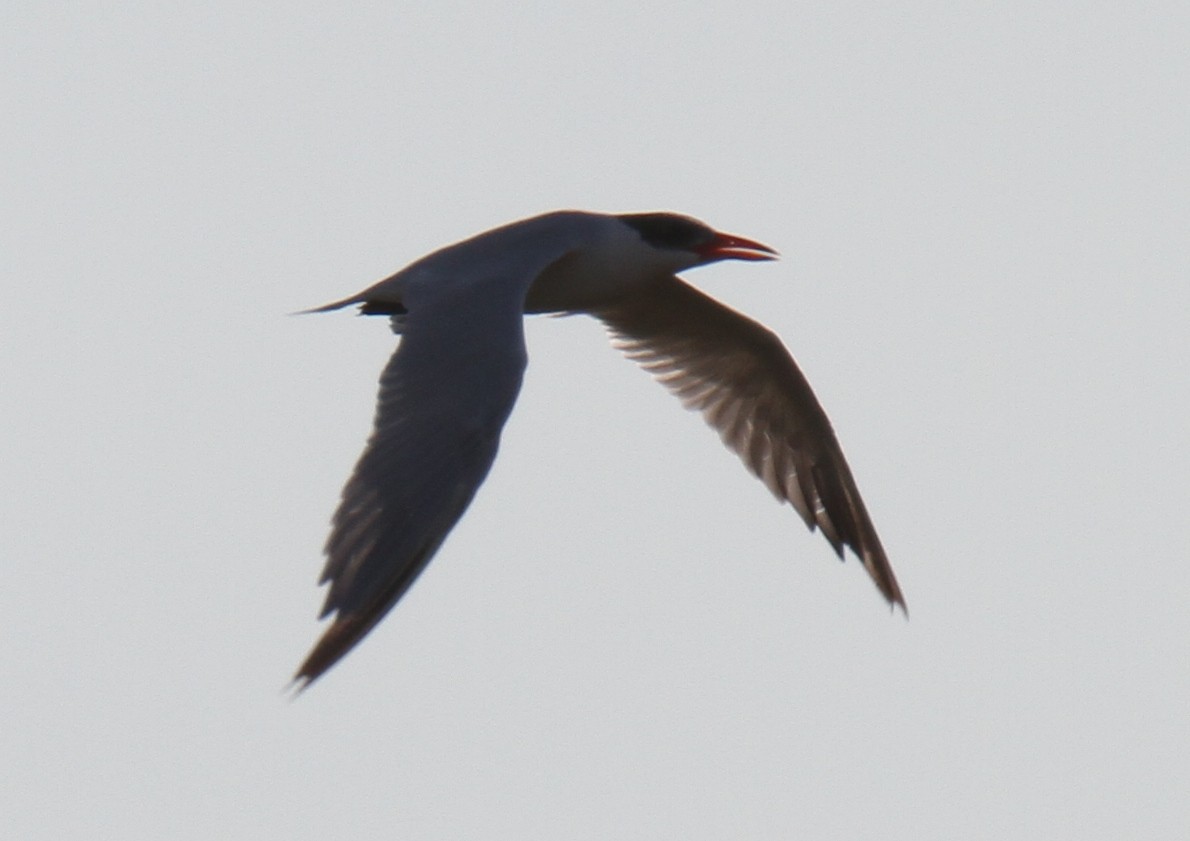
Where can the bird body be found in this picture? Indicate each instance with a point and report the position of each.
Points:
(452, 382)
(565, 261)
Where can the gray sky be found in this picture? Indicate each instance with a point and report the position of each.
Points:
(984, 214)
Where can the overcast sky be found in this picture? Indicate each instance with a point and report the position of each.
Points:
(984, 216)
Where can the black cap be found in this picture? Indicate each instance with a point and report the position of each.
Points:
(670, 230)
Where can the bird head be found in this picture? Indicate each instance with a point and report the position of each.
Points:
(615, 254)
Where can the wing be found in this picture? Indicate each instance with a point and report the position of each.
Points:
(747, 386)
(444, 398)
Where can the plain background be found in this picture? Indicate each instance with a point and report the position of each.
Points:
(984, 212)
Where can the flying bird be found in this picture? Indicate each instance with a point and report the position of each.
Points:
(448, 389)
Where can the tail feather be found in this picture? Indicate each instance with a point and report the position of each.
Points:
(335, 305)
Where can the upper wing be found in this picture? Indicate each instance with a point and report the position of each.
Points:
(444, 398)
(747, 386)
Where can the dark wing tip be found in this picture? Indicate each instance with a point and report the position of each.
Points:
(340, 637)
(881, 573)
(895, 597)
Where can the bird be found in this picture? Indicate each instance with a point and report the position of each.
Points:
(447, 390)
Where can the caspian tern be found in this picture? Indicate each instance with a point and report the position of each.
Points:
(449, 387)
